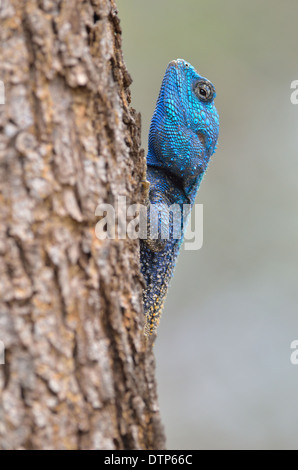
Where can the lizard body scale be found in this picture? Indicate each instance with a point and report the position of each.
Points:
(183, 136)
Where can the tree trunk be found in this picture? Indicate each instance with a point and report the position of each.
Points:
(78, 373)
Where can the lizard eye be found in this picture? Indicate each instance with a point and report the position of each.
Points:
(204, 90)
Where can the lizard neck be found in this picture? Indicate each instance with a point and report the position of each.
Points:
(162, 178)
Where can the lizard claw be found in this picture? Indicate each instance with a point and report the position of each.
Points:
(145, 189)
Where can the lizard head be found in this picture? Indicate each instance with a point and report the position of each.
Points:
(184, 128)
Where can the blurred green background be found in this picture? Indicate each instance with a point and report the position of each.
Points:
(223, 347)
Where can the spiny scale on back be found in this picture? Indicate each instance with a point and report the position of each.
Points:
(183, 136)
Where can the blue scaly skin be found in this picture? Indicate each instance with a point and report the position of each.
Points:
(183, 136)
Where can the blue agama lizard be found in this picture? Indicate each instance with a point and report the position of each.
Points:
(183, 136)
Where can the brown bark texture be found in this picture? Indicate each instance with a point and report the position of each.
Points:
(78, 373)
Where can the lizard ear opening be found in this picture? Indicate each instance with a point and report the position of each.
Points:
(202, 138)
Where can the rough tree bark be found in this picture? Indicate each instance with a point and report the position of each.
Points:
(78, 373)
